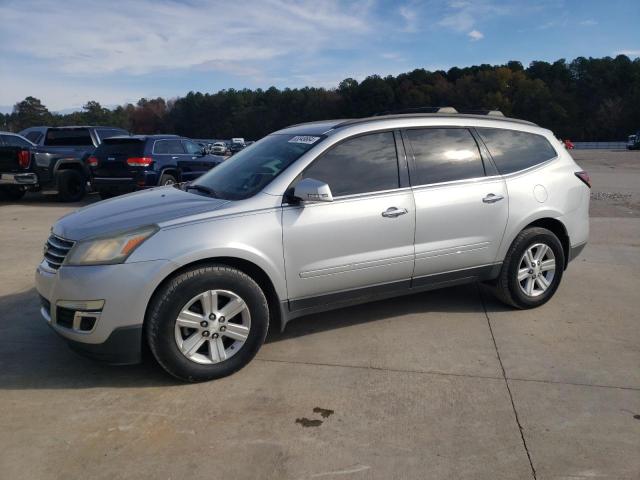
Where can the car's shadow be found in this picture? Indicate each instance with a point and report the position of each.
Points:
(32, 356)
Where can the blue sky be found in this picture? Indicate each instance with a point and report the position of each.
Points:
(68, 52)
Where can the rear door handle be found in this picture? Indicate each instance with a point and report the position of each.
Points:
(393, 212)
(492, 198)
(175, 158)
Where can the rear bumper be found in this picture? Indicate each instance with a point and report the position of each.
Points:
(146, 179)
(18, 179)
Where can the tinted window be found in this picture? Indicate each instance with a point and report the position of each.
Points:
(109, 132)
(512, 150)
(168, 147)
(249, 171)
(444, 155)
(362, 164)
(15, 141)
(68, 137)
(130, 147)
(34, 136)
(192, 147)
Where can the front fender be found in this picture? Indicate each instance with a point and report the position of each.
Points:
(223, 237)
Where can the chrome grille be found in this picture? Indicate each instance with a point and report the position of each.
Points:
(56, 250)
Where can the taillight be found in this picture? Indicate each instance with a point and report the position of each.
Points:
(92, 161)
(584, 176)
(139, 161)
(24, 158)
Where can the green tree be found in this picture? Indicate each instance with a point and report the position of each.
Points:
(29, 112)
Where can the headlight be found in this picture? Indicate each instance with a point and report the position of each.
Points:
(108, 250)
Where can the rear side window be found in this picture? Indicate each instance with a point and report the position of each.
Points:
(68, 137)
(110, 132)
(363, 164)
(444, 155)
(513, 150)
(168, 147)
(128, 147)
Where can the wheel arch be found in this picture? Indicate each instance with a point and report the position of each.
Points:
(552, 224)
(172, 170)
(70, 164)
(257, 273)
(559, 230)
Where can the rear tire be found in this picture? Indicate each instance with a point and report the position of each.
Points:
(72, 185)
(215, 352)
(526, 281)
(167, 179)
(11, 193)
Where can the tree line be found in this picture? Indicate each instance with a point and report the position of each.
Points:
(587, 99)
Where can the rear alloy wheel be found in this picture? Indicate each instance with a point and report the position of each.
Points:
(167, 179)
(532, 269)
(536, 270)
(207, 322)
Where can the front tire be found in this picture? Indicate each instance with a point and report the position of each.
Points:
(532, 269)
(207, 323)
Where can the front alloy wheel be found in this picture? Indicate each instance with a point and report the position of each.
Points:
(213, 326)
(207, 322)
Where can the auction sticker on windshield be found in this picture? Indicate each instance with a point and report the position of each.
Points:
(304, 139)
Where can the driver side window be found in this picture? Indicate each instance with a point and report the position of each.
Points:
(368, 163)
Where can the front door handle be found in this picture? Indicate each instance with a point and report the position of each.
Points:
(175, 158)
(393, 212)
(492, 198)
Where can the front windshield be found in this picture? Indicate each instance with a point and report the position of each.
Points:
(250, 170)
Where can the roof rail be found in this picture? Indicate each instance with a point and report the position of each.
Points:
(483, 111)
(495, 114)
(417, 110)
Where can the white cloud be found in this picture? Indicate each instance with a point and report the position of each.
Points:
(629, 53)
(94, 37)
(410, 17)
(475, 35)
(461, 15)
(588, 23)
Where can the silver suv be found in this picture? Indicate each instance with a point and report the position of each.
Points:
(310, 218)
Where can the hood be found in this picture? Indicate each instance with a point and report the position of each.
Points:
(132, 211)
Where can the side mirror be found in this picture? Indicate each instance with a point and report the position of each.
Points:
(310, 190)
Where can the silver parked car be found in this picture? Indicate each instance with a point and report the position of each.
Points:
(311, 218)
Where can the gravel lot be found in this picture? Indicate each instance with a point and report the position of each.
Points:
(443, 385)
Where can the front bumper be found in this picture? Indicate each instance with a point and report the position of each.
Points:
(124, 291)
(18, 179)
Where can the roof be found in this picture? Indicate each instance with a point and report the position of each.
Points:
(324, 126)
(76, 126)
(311, 128)
(378, 118)
(142, 138)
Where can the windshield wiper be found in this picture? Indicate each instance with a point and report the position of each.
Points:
(201, 188)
